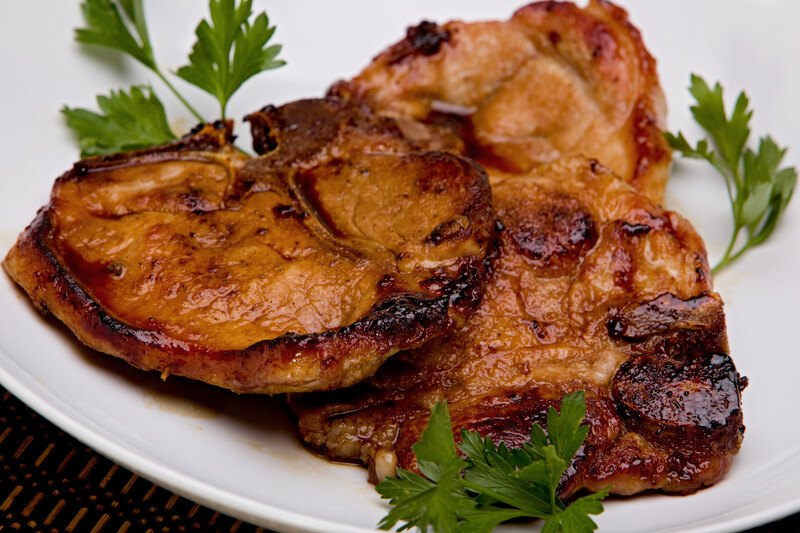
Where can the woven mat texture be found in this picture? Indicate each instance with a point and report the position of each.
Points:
(51, 482)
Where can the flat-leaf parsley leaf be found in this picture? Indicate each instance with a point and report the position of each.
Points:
(121, 25)
(129, 121)
(493, 483)
(758, 188)
(230, 50)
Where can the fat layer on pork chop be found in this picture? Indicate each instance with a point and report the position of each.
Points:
(301, 269)
(594, 288)
(554, 80)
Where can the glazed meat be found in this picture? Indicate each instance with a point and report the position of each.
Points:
(301, 269)
(596, 289)
(554, 80)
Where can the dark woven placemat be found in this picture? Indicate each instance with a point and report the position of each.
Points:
(51, 482)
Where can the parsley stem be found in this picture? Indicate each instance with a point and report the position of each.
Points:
(191, 109)
(137, 16)
(178, 95)
(731, 196)
(741, 250)
(727, 258)
(144, 36)
(758, 189)
(731, 256)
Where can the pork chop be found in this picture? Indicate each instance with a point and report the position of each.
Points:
(594, 288)
(554, 80)
(301, 269)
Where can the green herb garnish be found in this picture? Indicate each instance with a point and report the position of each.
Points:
(229, 51)
(494, 483)
(758, 189)
(120, 25)
(129, 121)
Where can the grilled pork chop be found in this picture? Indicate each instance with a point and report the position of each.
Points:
(594, 288)
(302, 269)
(554, 80)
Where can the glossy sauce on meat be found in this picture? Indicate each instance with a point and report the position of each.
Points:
(301, 269)
(594, 288)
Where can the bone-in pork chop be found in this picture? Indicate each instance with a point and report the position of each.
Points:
(554, 80)
(301, 269)
(594, 288)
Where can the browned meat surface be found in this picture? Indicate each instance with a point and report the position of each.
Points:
(594, 288)
(554, 80)
(301, 269)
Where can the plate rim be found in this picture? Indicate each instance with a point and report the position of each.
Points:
(59, 414)
(261, 513)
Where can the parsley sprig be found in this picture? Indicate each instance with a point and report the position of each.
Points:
(492, 483)
(759, 189)
(229, 51)
(129, 121)
(120, 25)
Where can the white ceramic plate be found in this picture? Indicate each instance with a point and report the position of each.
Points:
(239, 454)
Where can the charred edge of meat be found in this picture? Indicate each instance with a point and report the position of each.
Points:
(71, 292)
(425, 39)
(402, 321)
(264, 140)
(671, 326)
(465, 291)
(680, 388)
(691, 404)
(664, 313)
(289, 125)
(407, 318)
(203, 138)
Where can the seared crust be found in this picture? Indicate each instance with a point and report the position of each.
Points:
(552, 81)
(173, 258)
(594, 288)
